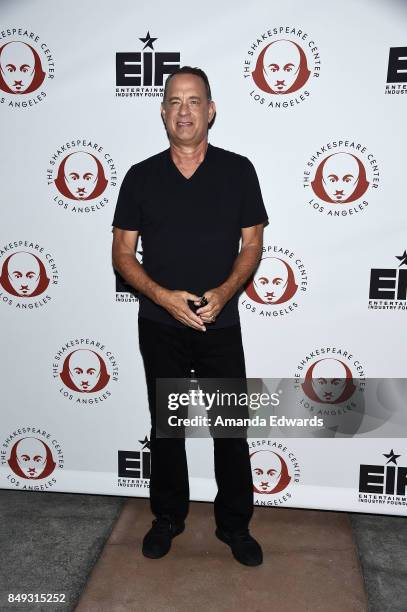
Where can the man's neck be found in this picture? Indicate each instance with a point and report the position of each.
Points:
(189, 156)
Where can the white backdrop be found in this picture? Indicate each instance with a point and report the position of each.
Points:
(58, 435)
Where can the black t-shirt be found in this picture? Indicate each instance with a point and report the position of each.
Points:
(190, 228)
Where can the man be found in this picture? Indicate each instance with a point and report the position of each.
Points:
(191, 204)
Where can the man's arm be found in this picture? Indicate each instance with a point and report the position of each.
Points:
(244, 265)
(125, 262)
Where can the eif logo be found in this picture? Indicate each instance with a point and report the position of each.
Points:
(388, 286)
(381, 481)
(397, 71)
(142, 73)
(134, 466)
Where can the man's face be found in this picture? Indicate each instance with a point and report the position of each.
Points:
(31, 457)
(17, 65)
(81, 174)
(186, 110)
(329, 380)
(23, 273)
(266, 470)
(281, 63)
(270, 280)
(340, 176)
(84, 368)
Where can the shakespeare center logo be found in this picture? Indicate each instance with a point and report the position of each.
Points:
(340, 177)
(81, 176)
(384, 482)
(388, 286)
(280, 67)
(141, 74)
(85, 370)
(31, 459)
(29, 275)
(26, 65)
(278, 285)
(329, 380)
(396, 82)
(134, 467)
(275, 471)
(124, 291)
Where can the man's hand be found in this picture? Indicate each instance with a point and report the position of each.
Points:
(217, 298)
(176, 303)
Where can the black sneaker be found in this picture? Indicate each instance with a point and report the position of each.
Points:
(244, 547)
(157, 541)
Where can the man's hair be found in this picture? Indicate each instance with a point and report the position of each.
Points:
(189, 70)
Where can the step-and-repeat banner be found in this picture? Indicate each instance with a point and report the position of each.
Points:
(315, 95)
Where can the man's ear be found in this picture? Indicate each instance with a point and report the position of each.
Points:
(212, 110)
(162, 111)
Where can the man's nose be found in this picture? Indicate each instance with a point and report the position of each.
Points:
(183, 108)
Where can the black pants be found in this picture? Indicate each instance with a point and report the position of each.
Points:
(167, 352)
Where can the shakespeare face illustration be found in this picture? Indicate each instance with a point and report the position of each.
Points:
(329, 381)
(23, 274)
(31, 457)
(273, 282)
(81, 176)
(269, 472)
(281, 68)
(84, 368)
(84, 371)
(340, 178)
(20, 68)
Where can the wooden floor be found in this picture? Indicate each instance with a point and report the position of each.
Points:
(310, 564)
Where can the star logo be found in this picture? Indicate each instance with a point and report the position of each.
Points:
(402, 258)
(148, 41)
(145, 442)
(392, 457)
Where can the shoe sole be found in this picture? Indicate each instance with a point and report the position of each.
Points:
(150, 556)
